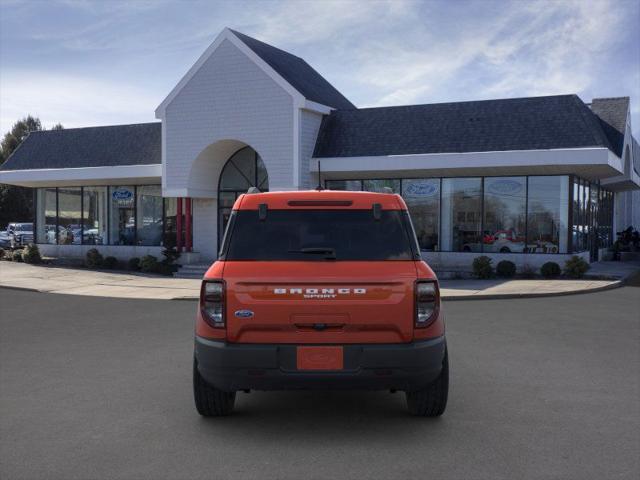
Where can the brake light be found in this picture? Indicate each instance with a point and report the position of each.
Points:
(212, 303)
(427, 302)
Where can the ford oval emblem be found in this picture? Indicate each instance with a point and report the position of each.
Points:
(244, 313)
(505, 187)
(421, 189)
(122, 194)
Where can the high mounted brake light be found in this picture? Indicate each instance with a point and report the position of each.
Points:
(427, 301)
(212, 295)
(319, 203)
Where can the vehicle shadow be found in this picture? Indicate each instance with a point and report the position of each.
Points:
(317, 416)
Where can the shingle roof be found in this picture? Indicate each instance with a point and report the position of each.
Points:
(138, 144)
(298, 73)
(562, 121)
(612, 113)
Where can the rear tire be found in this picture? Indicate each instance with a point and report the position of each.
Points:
(432, 400)
(210, 402)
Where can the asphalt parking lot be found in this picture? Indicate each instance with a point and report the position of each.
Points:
(101, 388)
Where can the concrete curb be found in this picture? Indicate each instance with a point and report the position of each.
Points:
(445, 297)
(26, 289)
(505, 296)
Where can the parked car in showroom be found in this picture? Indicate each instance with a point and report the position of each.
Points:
(19, 234)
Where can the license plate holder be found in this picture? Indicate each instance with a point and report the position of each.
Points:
(320, 358)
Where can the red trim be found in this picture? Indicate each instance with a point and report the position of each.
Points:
(187, 225)
(179, 224)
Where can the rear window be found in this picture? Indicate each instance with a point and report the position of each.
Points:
(318, 235)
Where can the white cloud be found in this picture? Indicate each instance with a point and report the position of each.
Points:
(384, 52)
(72, 101)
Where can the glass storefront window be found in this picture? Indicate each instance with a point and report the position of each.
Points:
(505, 200)
(350, 185)
(461, 214)
(547, 215)
(122, 222)
(380, 186)
(422, 197)
(70, 216)
(46, 215)
(170, 225)
(94, 204)
(149, 215)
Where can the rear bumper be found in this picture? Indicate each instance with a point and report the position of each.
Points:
(407, 366)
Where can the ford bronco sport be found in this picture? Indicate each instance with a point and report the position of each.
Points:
(320, 290)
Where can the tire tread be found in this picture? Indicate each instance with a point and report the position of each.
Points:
(210, 402)
(432, 400)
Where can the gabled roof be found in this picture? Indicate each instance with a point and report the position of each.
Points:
(116, 145)
(292, 73)
(298, 73)
(612, 113)
(551, 122)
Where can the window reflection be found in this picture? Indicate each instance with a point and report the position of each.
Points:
(547, 214)
(381, 186)
(122, 222)
(505, 200)
(149, 215)
(69, 216)
(46, 216)
(422, 197)
(94, 215)
(461, 214)
(350, 185)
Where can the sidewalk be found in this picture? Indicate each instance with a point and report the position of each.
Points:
(73, 281)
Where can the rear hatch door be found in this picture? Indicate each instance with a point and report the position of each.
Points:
(320, 302)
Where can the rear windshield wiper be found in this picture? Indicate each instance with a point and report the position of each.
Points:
(329, 252)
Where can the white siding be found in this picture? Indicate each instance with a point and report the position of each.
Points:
(309, 126)
(205, 231)
(229, 102)
(230, 97)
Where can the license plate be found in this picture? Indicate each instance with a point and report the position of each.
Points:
(320, 358)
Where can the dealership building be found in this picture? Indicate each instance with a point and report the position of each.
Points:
(525, 179)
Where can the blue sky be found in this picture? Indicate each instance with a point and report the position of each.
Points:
(84, 63)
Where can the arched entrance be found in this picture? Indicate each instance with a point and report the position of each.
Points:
(243, 170)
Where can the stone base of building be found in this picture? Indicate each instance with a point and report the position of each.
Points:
(121, 252)
(456, 264)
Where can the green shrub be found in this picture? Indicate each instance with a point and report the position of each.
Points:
(506, 269)
(94, 258)
(575, 267)
(110, 263)
(165, 269)
(550, 270)
(134, 264)
(149, 264)
(17, 256)
(2, 253)
(482, 267)
(31, 254)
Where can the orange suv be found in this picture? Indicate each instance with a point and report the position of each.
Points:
(320, 290)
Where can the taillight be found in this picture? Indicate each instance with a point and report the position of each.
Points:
(427, 302)
(212, 303)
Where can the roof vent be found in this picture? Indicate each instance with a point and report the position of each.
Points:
(387, 190)
(253, 190)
